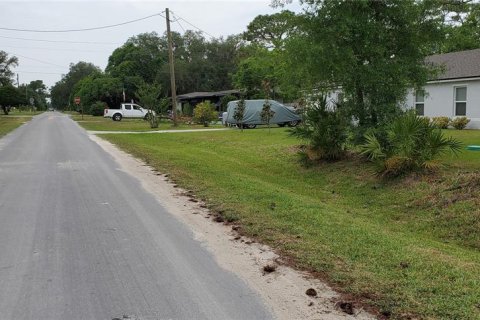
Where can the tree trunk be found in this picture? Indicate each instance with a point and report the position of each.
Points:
(5, 110)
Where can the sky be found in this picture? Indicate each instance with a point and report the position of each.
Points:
(47, 55)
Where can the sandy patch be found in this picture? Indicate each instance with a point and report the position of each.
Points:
(283, 290)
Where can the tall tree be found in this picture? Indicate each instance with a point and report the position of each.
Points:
(149, 97)
(99, 87)
(38, 91)
(10, 97)
(6, 63)
(464, 32)
(374, 50)
(62, 91)
(271, 30)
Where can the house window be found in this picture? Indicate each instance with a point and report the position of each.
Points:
(461, 101)
(420, 102)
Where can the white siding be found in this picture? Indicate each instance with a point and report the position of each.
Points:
(440, 100)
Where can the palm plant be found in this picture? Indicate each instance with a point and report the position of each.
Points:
(411, 144)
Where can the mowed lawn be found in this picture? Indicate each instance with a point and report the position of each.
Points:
(106, 124)
(12, 121)
(408, 247)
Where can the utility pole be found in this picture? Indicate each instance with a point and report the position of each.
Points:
(172, 69)
(18, 82)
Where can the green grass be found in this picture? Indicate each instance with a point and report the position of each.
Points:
(106, 124)
(10, 122)
(408, 247)
(469, 159)
(23, 113)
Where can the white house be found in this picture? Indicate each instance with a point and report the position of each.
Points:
(455, 92)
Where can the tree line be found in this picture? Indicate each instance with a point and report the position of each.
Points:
(374, 50)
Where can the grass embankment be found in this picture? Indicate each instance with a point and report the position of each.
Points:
(410, 248)
(106, 124)
(10, 122)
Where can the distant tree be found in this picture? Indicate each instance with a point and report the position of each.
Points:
(38, 91)
(10, 97)
(61, 92)
(149, 96)
(225, 100)
(99, 87)
(271, 30)
(239, 113)
(200, 65)
(6, 63)
(260, 65)
(464, 32)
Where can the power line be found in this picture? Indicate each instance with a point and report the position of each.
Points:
(61, 41)
(54, 49)
(85, 29)
(177, 21)
(180, 18)
(39, 72)
(46, 62)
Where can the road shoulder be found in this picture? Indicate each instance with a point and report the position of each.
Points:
(283, 290)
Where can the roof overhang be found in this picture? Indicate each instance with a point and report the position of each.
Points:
(453, 80)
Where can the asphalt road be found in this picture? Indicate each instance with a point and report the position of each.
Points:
(80, 239)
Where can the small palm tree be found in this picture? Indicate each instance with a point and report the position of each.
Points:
(411, 144)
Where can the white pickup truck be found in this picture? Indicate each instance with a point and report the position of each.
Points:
(126, 110)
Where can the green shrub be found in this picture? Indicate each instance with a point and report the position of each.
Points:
(441, 122)
(239, 113)
(411, 144)
(267, 113)
(187, 110)
(97, 108)
(204, 113)
(460, 123)
(325, 130)
(426, 119)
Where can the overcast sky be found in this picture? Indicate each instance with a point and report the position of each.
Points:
(48, 60)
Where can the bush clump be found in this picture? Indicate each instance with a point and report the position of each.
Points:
(204, 113)
(441, 122)
(325, 129)
(411, 144)
(187, 110)
(460, 123)
(97, 108)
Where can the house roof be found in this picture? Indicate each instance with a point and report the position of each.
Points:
(457, 65)
(193, 95)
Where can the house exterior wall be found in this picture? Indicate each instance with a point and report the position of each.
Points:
(440, 100)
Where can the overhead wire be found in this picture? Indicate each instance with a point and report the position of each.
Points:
(39, 72)
(38, 60)
(189, 23)
(61, 41)
(54, 49)
(177, 21)
(84, 29)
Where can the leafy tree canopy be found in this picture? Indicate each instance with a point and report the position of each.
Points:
(6, 63)
(62, 92)
(271, 30)
(373, 50)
